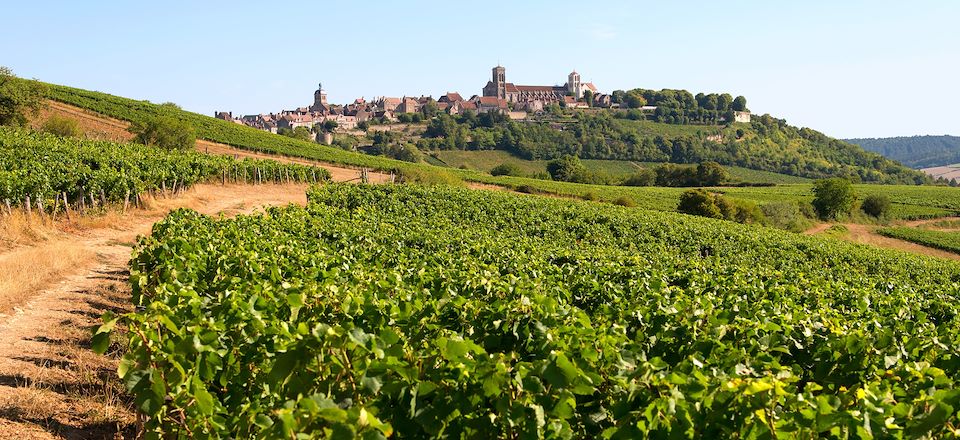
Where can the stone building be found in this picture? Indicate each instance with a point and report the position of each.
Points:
(319, 100)
(498, 87)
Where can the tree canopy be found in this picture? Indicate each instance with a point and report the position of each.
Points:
(19, 100)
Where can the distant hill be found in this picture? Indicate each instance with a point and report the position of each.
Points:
(915, 151)
(766, 144)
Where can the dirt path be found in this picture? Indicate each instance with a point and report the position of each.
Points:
(818, 228)
(866, 234)
(918, 223)
(51, 384)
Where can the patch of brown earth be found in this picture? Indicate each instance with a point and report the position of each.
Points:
(51, 384)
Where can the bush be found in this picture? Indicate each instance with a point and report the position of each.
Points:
(506, 169)
(567, 169)
(527, 189)
(407, 153)
(625, 201)
(789, 216)
(711, 174)
(63, 127)
(302, 133)
(833, 198)
(165, 132)
(590, 196)
(699, 202)
(876, 205)
(643, 177)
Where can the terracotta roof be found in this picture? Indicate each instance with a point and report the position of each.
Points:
(590, 86)
(549, 89)
(451, 97)
(493, 101)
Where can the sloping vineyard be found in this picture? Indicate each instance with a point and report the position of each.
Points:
(46, 172)
(944, 240)
(416, 312)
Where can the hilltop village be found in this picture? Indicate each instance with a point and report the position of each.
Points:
(498, 95)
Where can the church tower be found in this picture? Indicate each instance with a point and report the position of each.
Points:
(500, 81)
(573, 85)
(319, 97)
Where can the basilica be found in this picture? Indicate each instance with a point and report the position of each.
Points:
(499, 88)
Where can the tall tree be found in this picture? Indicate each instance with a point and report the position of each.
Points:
(19, 99)
(739, 104)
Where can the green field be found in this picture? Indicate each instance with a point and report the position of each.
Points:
(419, 312)
(944, 240)
(485, 161)
(909, 202)
(41, 171)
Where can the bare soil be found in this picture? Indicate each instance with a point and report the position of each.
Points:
(866, 234)
(51, 384)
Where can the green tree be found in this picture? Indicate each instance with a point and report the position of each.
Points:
(724, 101)
(567, 169)
(711, 174)
(739, 104)
(588, 97)
(617, 96)
(634, 99)
(302, 133)
(877, 205)
(19, 99)
(164, 132)
(699, 202)
(329, 126)
(506, 169)
(643, 177)
(430, 109)
(833, 198)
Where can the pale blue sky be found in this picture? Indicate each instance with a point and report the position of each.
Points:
(860, 68)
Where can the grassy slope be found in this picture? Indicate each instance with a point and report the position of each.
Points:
(910, 201)
(486, 160)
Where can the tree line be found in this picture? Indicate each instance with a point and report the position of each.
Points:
(767, 144)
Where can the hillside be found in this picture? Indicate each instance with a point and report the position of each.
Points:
(767, 144)
(908, 201)
(915, 151)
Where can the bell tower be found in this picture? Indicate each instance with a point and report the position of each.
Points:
(320, 96)
(573, 85)
(500, 81)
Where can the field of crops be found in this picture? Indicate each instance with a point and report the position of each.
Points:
(908, 202)
(413, 312)
(43, 172)
(945, 240)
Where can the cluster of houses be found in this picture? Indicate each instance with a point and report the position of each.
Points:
(498, 95)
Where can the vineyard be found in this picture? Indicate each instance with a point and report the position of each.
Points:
(413, 312)
(944, 240)
(47, 173)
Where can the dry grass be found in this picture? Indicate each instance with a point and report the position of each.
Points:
(25, 270)
(18, 229)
